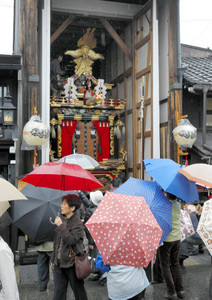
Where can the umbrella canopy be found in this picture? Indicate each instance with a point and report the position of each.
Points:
(9, 192)
(200, 173)
(62, 176)
(124, 230)
(205, 225)
(3, 207)
(82, 160)
(187, 228)
(159, 205)
(32, 216)
(165, 172)
(5, 220)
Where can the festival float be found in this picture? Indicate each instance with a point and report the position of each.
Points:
(85, 119)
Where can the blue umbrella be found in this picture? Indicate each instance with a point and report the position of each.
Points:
(165, 172)
(159, 205)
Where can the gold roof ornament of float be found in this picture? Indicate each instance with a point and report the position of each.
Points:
(85, 56)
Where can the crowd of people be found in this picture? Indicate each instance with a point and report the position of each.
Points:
(72, 239)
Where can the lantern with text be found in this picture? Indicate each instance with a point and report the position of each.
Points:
(35, 133)
(185, 134)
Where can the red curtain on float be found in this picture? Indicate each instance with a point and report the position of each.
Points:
(103, 131)
(68, 129)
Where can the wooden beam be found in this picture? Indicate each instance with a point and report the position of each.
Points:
(116, 37)
(62, 27)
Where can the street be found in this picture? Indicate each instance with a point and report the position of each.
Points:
(196, 283)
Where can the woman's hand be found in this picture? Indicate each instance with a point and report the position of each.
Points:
(58, 221)
(52, 266)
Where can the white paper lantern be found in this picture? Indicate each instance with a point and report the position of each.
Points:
(35, 133)
(185, 134)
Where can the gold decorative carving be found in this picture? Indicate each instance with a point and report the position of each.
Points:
(111, 140)
(85, 56)
(78, 117)
(53, 122)
(59, 136)
(94, 118)
(111, 120)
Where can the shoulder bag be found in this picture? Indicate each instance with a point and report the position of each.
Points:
(82, 266)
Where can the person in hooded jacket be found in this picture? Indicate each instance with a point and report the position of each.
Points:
(68, 242)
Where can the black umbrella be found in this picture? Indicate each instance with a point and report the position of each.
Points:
(33, 216)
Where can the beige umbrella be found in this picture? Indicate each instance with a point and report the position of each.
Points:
(9, 192)
(199, 173)
(3, 207)
(205, 225)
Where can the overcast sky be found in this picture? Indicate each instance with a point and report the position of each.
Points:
(195, 15)
(6, 26)
(196, 22)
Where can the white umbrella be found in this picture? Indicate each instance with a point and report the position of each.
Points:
(187, 228)
(3, 207)
(205, 225)
(199, 173)
(83, 160)
(9, 192)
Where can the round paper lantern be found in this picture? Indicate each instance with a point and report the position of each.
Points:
(35, 133)
(185, 134)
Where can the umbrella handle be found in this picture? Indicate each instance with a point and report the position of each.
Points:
(50, 220)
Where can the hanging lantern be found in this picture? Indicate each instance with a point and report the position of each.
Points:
(35, 133)
(77, 133)
(185, 134)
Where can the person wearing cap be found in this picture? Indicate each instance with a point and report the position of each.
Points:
(95, 199)
(68, 242)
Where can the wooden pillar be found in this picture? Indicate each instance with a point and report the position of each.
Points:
(29, 83)
(175, 99)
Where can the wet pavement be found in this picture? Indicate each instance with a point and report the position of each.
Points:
(196, 283)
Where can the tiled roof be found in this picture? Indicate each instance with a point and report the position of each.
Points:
(199, 70)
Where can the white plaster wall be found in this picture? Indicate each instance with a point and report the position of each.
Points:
(148, 119)
(114, 61)
(142, 57)
(147, 147)
(129, 92)
(128, 42)
(163, 51)
(146, 20)
(164, 112)
(120, 57)
(121, 90)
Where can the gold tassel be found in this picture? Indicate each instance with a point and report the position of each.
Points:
(123, 130)
(53, 133)
(118, 133)
(58, 129)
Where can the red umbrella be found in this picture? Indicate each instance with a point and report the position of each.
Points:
(62, 176)
(124, 230)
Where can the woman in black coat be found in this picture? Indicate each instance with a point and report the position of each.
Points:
(68, 242)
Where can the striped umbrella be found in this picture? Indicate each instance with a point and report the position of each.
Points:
(159, 205)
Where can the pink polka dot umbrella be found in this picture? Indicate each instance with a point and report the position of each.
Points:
(124, 230)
